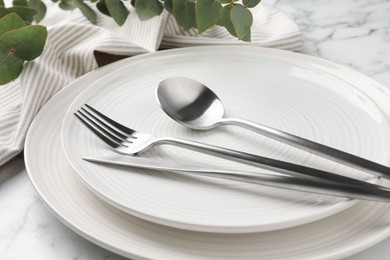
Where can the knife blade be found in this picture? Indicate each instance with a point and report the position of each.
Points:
(360, 190)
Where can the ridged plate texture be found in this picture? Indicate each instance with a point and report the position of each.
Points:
(310, 99)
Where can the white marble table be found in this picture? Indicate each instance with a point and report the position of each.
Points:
(355, 33)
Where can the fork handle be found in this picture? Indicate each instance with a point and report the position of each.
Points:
(313, 147)
(264, 162)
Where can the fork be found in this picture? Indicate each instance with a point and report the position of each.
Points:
(127, 141)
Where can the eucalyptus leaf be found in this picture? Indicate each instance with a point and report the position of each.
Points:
(224, 1)
(18, 45)
(86, 10)
(20, 2)
(27, 42)
(117, 10)
(40, 7)
(207, 13)
(250, 3)
(26, 13)
(67, 5)
(184, 12)
(247, 37)
(3, 11)
(10, 22)
(10, 66)
(226, 20)
(102, 7)
(147, 9)
(242, 20)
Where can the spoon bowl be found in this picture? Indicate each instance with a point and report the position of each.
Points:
(190, 103)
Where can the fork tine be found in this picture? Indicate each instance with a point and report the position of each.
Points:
(109, 121)
(97, 130)
(104, 125)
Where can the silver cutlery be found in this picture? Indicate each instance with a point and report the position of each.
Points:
(194, 105)
(374, 193)
(125, 140)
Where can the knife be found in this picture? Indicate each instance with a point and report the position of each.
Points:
(359, 190)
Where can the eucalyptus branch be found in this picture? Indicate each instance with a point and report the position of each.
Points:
(16, 22)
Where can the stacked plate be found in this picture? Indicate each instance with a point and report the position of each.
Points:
(159, 215)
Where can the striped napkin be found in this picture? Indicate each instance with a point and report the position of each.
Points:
(73, 41)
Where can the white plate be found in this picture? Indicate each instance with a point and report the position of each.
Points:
(272, 87)
(59, 186)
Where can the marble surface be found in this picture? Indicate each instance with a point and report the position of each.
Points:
(355, 33)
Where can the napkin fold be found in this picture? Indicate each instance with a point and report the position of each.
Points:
(72, 42)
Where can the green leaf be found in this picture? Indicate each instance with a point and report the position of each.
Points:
(207, 13)
(10, 65)
(102, 7)
(227, 1)
(117, 10)
(147, 9)
(184, 12)
(226, 20)
(18, 45)
(67, 5)
(3, 11)
(86, 10)
(10, 22)
(27, 42)
(40, 7)
(247, 37)
(233, 23)
(1, 3)
(168, 6)
(250, 3)
(20, 2)
(26, 13)
(242, 20)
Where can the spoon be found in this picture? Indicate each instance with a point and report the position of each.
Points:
(194, 105)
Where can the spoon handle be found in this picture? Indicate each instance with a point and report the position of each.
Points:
(313, 147)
